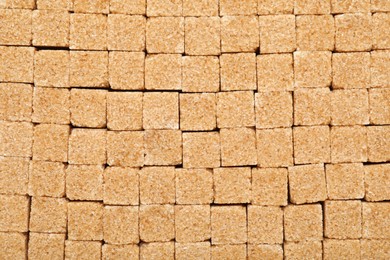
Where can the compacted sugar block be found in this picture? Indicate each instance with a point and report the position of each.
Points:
(16, 27)
(17, 139)
(376, 219)
(75, 250)
(99, 6)
(303, 250)
(315, 32)
(126, 32)
(344, 249)
(55, 4)
(88, 32)
(265, 225)
(348, 144)
(17, 64)
(51, 68)
(14, 213)
(201, 150)
(311, 7)
(84, 182)
(377, 181)
(373, 248)
(378, 143)
(265, 251)
(14, 245)
(266, 7)
(350, 6)
(16, 101)
(157, 185)
(120, 224)
(237, 7)
(198, 111)
(380, 29)
(124, 110)
(163, 72)
(125, 148)
(193, 251)
(380, 69)
(379, 100)
(48, 215)
(157, 223)
(46, 246)
(228, 225)
(14, 173)
(380, 5)
(200, 74)
(128, 6)
(120, 251)
(163, 147)
(50, 28)
(200, 8)
(164, 8)
(121, 186)
(192, 223)
(46, 179)
(51, 142)
(275, 72)
(226, 251)
(158, 251)
(202, 35)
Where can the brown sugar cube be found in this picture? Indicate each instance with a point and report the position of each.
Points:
(46, 246)
(127, 6)
(126, 32)
(232, 185)
(14, 173)
(353, 32)
(303, 222)
(120, 224)
(75, 250)
(380, 28)
(263, 251)
(157, 185)
(236, 7)
(274, 109)
(15, 28)
(350, 70)
(307, 183)
(163, 147)
(376, 219)
(16, 101)
(312, 106)
(165, 35)
(228, 225)
(99, 6)
(380, 69)
(377, 181)
(341, 249)
(313, 69)
(164, 8)
(265, 225)
(194, 186)
(192, 223)
(198, 111)
(311, 144)
(55, 4)
(85, 221)
(348, 144)
(88, 32)
(120, 251)
(380, 5)
(312, 7)
(374, 249)
(14, 245)
(51, 105)
(50, 28)
(343, 219)
(378, 143)
(200, 74)
(349, 107)
(51, 142)
(16, 64)
(277, 33)
(88, 69)
(315, 32)
(202, 35)
(46, 179)
(48, 215)
(350, 6)
(157, 251)
(200, 8)
(14, 213)
(157, 223)
(163, 72)
(84, 182)
(124, 110)
(240, 34)
(18, 4)
(125, 148)
(51, 68)
(193, 251)
(379, 106)
(220, 252)
(16, 139)
(238, 71)
(121, 186)
(161, 110)
(303, 250)
(345, 181)
(266, 7)
(269, 186)
(275, 72)
(87, 146)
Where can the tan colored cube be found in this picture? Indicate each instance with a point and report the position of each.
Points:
(75, 250)
(46, 179)
(376, 219)
(88, 69)
(238, 71)
(201, 150)
(99, 6)
(312, 144)
(88, 31)
(163, 72)
(380, 28)
(125, 148)
(200, 8)
(350, 6)
(46, 246)
(374, 249)
(194, 186)
(377, 181)
(50, 28)
(17, 64)
(157, 251)
(84, 182)
(88, 108)
(263, 251)
(15, 28)
(348, 144)
(228, 225)
(14, 245)
(17, 139)
(341, 249)
(380, 5)
(379, 106)
(202, 35)
(265, 225)
(126, 32)
(312, 7)
(126, 70)
(266, 7)
(193, 251)
(275, 72)
(165, 35)
(315, 32)
(14, 213)
(157, 185)
(303, 250)
(237, 7)
(240, 34)
(303, 222)
(85, 221)
(120, 251)
(226, 251)
(121, 186)
(345, 181)
(198, 111)
(157, 223)
(378, 143)
(19, 4)
(87, 146)
(232, 185)
(200, 74)
(163, 147)
(164, 8)
(120, 224)
(55, 4)
(192, 223)
(48, 215)
(16, 101)
(380, 72)
(14, 173)
(51, 68)
(161, 110)
(124, 110)
(127, 6)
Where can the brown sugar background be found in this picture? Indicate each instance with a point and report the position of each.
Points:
(194, 129)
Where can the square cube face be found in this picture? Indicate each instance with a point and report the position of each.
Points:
(269, 186)
(380, 5)
(85, 221)
(163, 72)
(379, 106)
(379, 21)
(200, 74)
(157, 185)
(126, 32)
(164, 8)
(224, 251)
(275, 72)
(202, 35)
(311, 144)
(380, 72)
(88, 32)
(14, 245)
(262, 251)
(198, 111)
(15, 28)
(350, 6)
(163, 147)
(232, 185)
(194, 186)
(41, 246)
(50, 28)
(14, 175)
(128, 6)
(120, 251)
(312, 7)
(238, 71)
(84, 182)
(161, 110)
(228, 225)
(17, 139)
(376, 219)
(303, 249)
(51, 142)
(192, 223)
(48, 215)
(121, 186)
(121, 224)
(100, 6)
(46, 179)
(265, 225)
(349, 144)
(16, 101)
(378, 143)
(51, 68)
(125, 148)
(377, 180)
(159, 250)
(237, 7)
(200, 8)
(345, 181)
(335, 248)
(193, 251)
(17, 64)
(157, 223)
(55, 4)
(165, 35)
(315, 32)
(126, 70)
(266, 7)
(303, 222)
(83, 249)
(14, 213)
(371, 248)
(201, 150)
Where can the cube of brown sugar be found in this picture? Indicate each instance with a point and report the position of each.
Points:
(240, 34)
(202, 35)
(269, 187)
(345, 181)
(377, 181)
(350, 6)
(378, 143)
(14, 245)
(161, 110)
(84, 182)
(46, 179)
(50, 28)
(85, 221)
(88, 69)
(379, 106)
(315, 32)
(127, 6)
(18, 4)
(163, 147)
(275, 72)
(193, 251)
(16, 101)
(164, 8)
(17, 139)
(163, 72)
(126, 32)
(87, 146)
(124, 110)
(264, 251)
(157, 251)
(266, 7)
(157, 185)
(88, 31)
(312, 144)
(313, 69)
(232, 185)
(194, 186)
(225, 251)
(380, 29)
(192, 223)
(303, 222)
(374, 249)
(83, 250)
(165, 35)
(312, 7)
(200, 8)
(344, 249)
(120, 224)
(265, 225)
(120, 251)
(343, 219)
(376, 220)
(14, 172)
(236, 7)
(198, 111)
(200, 74)
(55, 4)
(14, 213)
(15, 28)
(51, 142)
(380, 5)
(277, 33)
(307, 183)
(99, 6)
(16, 64)
(48, 215)
(353, 32)
(303, 250)
(121, 186)
(349, 144)
(238, 71)
(51, 68)
(46, 246)
(380, 69)
(156, 223)
(125, 148)
(228, 225)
